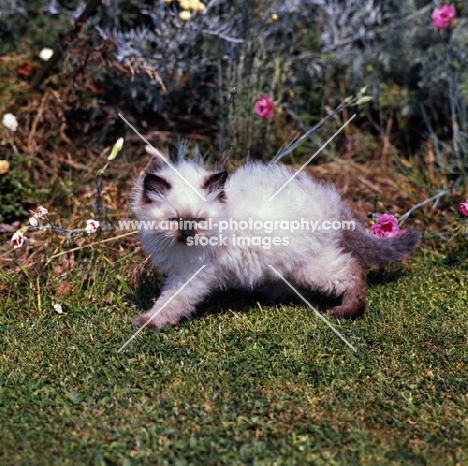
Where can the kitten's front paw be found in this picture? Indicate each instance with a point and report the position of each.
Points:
(148, 321)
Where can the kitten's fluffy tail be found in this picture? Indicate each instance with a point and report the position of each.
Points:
(369, 249)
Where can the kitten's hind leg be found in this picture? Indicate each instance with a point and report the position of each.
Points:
(342, 273)
(353, 304)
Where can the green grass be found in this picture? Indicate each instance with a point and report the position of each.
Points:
(246, 385)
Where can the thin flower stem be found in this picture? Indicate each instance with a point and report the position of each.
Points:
(226, 119)
(58, 229)
(90, 245)
(417, 206)
(452, 90)
(99, 207)
(287, 150)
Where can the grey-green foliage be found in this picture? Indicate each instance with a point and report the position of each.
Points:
(237, 44)
(11, 7)
(381, 41)
(171, 46)
(407, 64)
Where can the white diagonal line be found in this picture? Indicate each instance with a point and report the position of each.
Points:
(162, 307)
(156, 151)
(315, 310)
(308, 161)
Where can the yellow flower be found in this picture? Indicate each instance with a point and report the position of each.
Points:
(196, 5)
(4, 166)
(184, 15)
(184, 4)
(274, 16)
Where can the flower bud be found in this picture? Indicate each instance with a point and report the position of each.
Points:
(116, 149)
(91, 226)
(10, 122)
(46, 53)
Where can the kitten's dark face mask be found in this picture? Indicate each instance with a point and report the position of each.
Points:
(181, 223)
(156, 188)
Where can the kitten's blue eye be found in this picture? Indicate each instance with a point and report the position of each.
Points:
(173, 219)
(198, 220)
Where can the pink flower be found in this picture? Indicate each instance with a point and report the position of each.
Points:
(463, 208)
(386, 227)
(41, 212)
(91, 226)
(18, 239)
(264, 107)
(442, 16)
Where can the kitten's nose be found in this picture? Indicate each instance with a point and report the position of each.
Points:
(187, 229)
(187, 233)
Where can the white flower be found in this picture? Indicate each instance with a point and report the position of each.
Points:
(10, 121)
(18, 239)
(45, 53)
(41, 212)
(58, 308)
(91, 226)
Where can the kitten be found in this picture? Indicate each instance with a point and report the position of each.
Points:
(194, 232)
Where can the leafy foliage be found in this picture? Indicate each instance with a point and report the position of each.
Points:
(15, 189)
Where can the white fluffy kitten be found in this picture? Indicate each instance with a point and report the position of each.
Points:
(326, 260)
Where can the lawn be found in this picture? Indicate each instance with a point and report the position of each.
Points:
(239, 384)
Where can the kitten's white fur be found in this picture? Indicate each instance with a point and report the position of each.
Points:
(319, 260)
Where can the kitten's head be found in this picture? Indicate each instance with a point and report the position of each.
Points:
(182, 201)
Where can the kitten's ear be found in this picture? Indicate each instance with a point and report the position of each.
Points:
(154, 187)
(215, 181)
